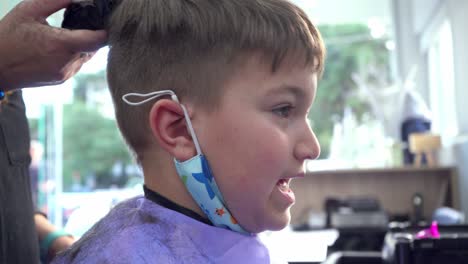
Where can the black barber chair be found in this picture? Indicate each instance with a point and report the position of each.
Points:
(402, 247)
(360, 221)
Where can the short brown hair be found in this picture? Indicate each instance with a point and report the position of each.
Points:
(193, 46)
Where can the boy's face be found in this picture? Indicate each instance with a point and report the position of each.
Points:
(258, 139)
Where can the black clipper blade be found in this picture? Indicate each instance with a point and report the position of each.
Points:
(88, 14)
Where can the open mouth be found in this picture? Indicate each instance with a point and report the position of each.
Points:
(285, 190)
(283, 185)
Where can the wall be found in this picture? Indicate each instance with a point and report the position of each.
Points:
(407, 39)
(415, 23)
(425, 10)
(457, 11)
(458, 14)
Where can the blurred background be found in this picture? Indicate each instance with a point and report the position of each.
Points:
(389, 115)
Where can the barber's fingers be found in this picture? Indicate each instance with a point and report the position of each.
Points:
(43, 8)
(80, 40)
(74, 65)
(86, 56)
(74, 40)
(74, 68)
(86, 40)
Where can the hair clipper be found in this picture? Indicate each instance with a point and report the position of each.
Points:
(88, 14)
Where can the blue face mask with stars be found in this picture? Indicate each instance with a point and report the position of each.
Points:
(195, 173)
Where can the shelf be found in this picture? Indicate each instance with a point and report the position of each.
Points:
(380, 170)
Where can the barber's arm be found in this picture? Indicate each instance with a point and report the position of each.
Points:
(51, 240)
(32, 53)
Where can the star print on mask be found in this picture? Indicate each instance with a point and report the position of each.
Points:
(220, 211)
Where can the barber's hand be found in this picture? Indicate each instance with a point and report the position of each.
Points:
(60, 244)
(43, 228)
(32, 53)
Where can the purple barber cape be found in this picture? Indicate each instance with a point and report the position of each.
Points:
(141, 231)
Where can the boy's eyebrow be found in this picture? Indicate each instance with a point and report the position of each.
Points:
(285, 88)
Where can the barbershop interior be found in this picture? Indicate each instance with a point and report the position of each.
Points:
(388, 186)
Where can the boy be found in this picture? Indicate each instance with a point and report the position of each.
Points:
(212, 97)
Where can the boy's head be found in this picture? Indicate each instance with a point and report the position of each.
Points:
(247, 72)
(193, 47)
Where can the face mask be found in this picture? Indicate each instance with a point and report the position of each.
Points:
(195, 173)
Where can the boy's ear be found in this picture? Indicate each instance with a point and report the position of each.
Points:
(170, 129)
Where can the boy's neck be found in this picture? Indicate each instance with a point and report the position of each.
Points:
(161, 177)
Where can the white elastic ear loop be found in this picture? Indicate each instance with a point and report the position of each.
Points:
(192, 132)
(156, 94)
(148, 96)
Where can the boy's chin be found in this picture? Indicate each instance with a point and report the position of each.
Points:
(273, 223)
(280, 224)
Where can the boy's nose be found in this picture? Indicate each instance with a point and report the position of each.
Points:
(308, 147)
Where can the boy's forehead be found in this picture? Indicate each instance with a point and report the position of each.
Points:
(254, 75)
(251, 73)
(263, 61)
(258, 66)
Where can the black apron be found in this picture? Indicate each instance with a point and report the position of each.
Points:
(18, 238)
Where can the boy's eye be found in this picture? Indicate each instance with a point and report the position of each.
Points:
(283, 111)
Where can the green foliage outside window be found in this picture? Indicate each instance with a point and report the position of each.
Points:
(92, 147)
(350, 49)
